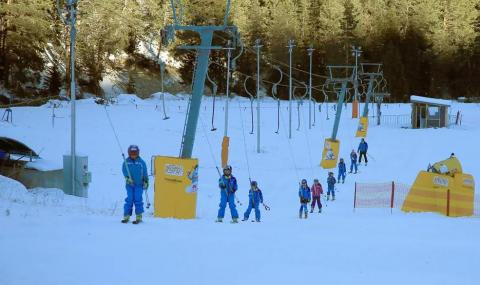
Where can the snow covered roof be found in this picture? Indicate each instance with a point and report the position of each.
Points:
(12, 146)
(431, 101)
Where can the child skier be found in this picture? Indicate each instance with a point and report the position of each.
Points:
(136, 176)
(255, 198)
(342, 170)
(362, 150)
(317, 191)
(305, 196)
(331, 186)
(228, 187)
(353, 161)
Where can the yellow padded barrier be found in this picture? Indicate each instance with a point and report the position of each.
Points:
(441, 193)
(176, 185)
(225, 144)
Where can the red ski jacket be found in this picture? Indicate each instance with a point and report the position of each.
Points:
(317, 190)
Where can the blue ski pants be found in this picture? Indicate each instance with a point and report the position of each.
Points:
(134, 197)
(230, 199)
(303, 207)
(331, 190)
(252, 205)
(354, 165)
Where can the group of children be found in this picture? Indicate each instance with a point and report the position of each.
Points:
(313, 194)
(136, 176)
(362, 152)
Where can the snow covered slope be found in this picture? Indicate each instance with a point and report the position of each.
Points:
(50, 238)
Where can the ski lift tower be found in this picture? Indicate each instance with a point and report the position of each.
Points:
(372, 72)
(332, 145)
(203, 50)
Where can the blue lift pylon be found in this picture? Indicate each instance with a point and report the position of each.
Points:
(203, 50)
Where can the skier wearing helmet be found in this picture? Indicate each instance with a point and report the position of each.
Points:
(255, 198)
(228, 187)
(305, 197)
(135, 172)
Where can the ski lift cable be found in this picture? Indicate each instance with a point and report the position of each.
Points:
(268, 60)
(251, 98)
(290, 149)
(214, 92)
(244, 142)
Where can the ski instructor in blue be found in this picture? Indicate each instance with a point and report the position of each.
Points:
(135, 172)
(228, 187)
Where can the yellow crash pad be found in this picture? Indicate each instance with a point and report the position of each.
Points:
(176, 186)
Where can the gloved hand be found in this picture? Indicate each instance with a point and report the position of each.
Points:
(128, 180)
(145, 185)
(222, 185)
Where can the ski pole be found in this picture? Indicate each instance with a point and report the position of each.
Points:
(371, 157)
(146, 198)
(267, 208)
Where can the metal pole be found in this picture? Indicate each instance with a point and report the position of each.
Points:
(290, 50)
(310, 53)
(198, 86)
(257, 48)
(162, 73)
(369, 93)
(73, 32)
(229, 57)
(339, 110)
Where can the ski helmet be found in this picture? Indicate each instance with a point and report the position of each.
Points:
(227, 167)
(304, 181)
(133, 148)
(253, 183)
(315, 180)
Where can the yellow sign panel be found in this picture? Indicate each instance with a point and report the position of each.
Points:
(176, 186)
(330, 152)
(362, 127)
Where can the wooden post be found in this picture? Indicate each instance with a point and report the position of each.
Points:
(448, 202)
(355, 197)
(392, 196)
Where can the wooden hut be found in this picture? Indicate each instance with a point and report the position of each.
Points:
(429, 112)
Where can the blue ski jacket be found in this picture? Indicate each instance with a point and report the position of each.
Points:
(353, 157)
(331, 182)
(228, 184)
(342, 168)
(255, 196)
(305, 193)
(363, 146)
(137, 169)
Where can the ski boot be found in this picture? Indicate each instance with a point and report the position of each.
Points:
(328, 197)
(234, 221)
(245, 219)
(306, 214)
(125, 219)
(219, 220)
(343, 182)
(333, 198)
(319, 210)
(300, 215)
(138, 219)
(257, 220)
(311, 211)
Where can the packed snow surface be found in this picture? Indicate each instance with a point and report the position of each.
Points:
(47, 237)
